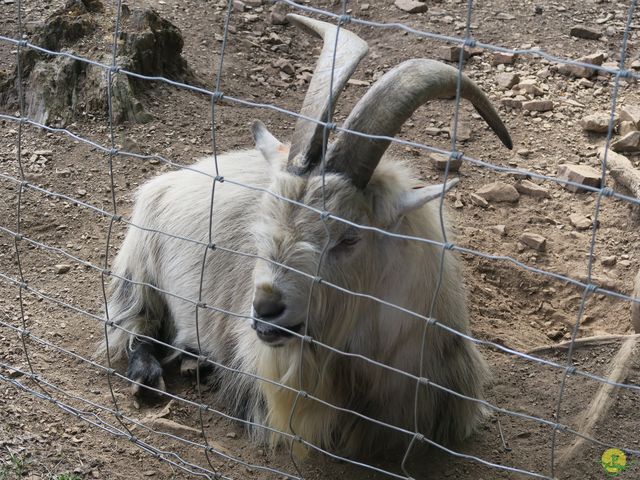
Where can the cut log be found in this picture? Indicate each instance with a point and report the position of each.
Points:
(602, 402)
(622, 171)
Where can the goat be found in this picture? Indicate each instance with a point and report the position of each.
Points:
(286, 246)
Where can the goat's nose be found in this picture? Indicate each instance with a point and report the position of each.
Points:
(267, 303)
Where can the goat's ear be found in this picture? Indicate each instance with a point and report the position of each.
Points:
(416, 198)
(271, 148)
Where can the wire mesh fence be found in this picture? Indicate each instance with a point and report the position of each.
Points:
(112, 418)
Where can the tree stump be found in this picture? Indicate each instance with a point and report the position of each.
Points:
(58, 89)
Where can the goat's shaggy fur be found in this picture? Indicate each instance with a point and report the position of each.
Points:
(400, 271)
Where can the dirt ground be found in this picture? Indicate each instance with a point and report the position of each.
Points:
(509, 306)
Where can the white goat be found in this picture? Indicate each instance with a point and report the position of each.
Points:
(359, 185)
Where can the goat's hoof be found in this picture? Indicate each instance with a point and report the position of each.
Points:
(148, 387)
(188, 366)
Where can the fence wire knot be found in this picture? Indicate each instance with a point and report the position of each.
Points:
(211, 246)
(469, 42)
(330, 126)
(591, 288)
(345, 19)
(216, 96)
(456, 155)
(114, 69)
(324, 215)
(106, 272)
(219, 178)
(22, 43)
(117, 218)
(201, 305)
(307, 339)
(317, 280)
(607, 192)
(571, 370)
(18, 236)
(448, 246)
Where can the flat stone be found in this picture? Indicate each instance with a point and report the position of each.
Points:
(629, 143)
(629, 113)
(61, 268)
(598, 122)
(498, 192)
(609, 261)
(499, 229)
(451, 53)
(503, 58)
(533, 240)
(538, 105)
(278, 14)
(579, 71)
(411, 6)
(626, 127)
(507, 80)
(239, 6)
(530, 87)
(478, 200)
(529, 188)
(579, 222)
(512, 103)
(284, 65)
(440, 162)
(555, 335)
(463, 130)
(582, 174)
(583, 32)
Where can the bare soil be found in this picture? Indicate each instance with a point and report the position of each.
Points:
(509, 305)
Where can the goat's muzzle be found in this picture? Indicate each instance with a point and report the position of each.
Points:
(269, 317)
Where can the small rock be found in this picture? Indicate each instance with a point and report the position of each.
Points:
(232, 435)
(584, 32)
(579, 222)
(507, 80)
(555, 335)
(253, 3)
(597, 122)
(278, 14)
(626, 127)
(629, 143)
(505, 16)
(609, 261)
(358, 83)
(499, 229)
(529, 188)
(451, 53)
(284, 65)
(440, 162)
(631, 113)
(582, 174)
(538, 105)
(364, 7)
(503, 58)
(512, 103)
(499, 192)
(81, 192)
(528, 86)
(579, 71)
(478, 200)
(538, 9)
(411, 6)
(584, 83)
(533, 240)
(61, 268)
(239, 6)
(463, 130)
(625, 263)
(13, 373)
(524, 153)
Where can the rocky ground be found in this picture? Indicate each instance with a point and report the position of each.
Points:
(556, 115)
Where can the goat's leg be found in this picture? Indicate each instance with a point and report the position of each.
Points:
(145, 370)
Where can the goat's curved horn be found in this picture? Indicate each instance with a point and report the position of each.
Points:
(306, 145)
(389, 103)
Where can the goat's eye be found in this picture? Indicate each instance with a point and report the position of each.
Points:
(349, 239)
